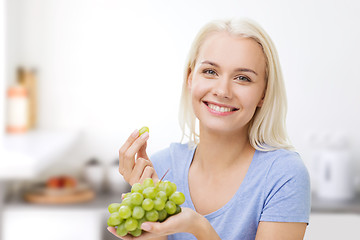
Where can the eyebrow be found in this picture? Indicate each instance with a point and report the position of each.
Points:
(237, 69)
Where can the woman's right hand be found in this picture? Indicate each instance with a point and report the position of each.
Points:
(134, 163)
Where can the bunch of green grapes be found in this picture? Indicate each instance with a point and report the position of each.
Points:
(147, 202)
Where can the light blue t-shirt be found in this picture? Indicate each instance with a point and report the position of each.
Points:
(276, 188)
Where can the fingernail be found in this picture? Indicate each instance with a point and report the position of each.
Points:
(146, 226)
(135, 133)
(145, 135)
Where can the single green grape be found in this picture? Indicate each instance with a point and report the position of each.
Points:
(147, 204)
(173, 185)
(114, 207)
(126, 202)
(137, 187)
(152, 216)
(148, 182)
(168, 188)
(162, 195)
(137, 232)
(121, 230)
(124, 212)
(126, 195)
(114, 219)
(170, 207)
(131, 224)
(149, 192)
(136, 198)
(162, 215)
(178, 209)
(143, 130)
(177, 197)
(159, 204)
(138, 212)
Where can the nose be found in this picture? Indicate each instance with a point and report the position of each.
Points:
(222, 88)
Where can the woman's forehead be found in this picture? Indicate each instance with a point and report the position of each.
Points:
(225, 49)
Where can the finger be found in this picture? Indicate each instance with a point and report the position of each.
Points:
(138, 170)
(125, 147)
(142, 152)
(149, 172)
(132, 151)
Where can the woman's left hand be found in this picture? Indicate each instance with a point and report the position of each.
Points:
(186, 221)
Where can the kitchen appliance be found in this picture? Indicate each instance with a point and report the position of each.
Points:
(336, 179)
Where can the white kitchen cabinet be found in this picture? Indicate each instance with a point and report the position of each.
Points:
(333, 226)
(52, 223)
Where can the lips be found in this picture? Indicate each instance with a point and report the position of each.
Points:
(220, 108)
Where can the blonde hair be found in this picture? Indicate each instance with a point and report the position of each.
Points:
(267, 129)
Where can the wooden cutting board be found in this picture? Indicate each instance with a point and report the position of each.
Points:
(50, 196)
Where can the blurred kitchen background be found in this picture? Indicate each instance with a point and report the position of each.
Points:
(78, 76)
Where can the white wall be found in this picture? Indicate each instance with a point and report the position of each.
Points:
(108, 67)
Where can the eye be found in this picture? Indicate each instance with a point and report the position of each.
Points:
(209, 72)
(242, 79)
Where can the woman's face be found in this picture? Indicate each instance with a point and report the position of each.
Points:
(227, 83)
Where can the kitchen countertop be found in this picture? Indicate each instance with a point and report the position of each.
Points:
(319, 205)
(25, 155)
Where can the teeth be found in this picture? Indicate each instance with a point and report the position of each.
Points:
(219, 109)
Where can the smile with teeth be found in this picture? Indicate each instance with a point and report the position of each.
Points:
(220, 109)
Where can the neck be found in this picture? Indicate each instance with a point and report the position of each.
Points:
(216, 153)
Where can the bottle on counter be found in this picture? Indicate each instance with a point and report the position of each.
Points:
(27, 79)
(17, 109)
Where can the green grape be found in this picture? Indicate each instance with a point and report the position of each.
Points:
(147, 204)
(121, 230)
(168, 188)
(114, 219)
(137, 187)
(159, 204)
(136, 198)
(148, 182)
(170, 207)
(152, 215)
(162, 195)
(143, 130)
(141, 221)
(124, 212)
(114, 207)
(173, 185)
(138, 212)
(126, 202)
(162, 215)
(126, 195)
(137, 232)
(178, 209)
(178, 198)
(149, 192)
(131, 224)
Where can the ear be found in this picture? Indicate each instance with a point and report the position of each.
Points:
(189, 78)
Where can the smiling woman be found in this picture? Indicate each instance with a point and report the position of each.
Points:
(240, 158)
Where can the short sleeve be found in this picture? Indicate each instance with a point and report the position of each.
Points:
(287, 191)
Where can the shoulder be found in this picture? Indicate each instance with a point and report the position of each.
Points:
(287, 187)
(284, 161)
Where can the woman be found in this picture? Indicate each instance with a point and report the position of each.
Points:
(239, 174)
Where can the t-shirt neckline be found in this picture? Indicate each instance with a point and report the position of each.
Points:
(231, 201)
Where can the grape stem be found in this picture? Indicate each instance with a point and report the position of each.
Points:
(164, 175)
